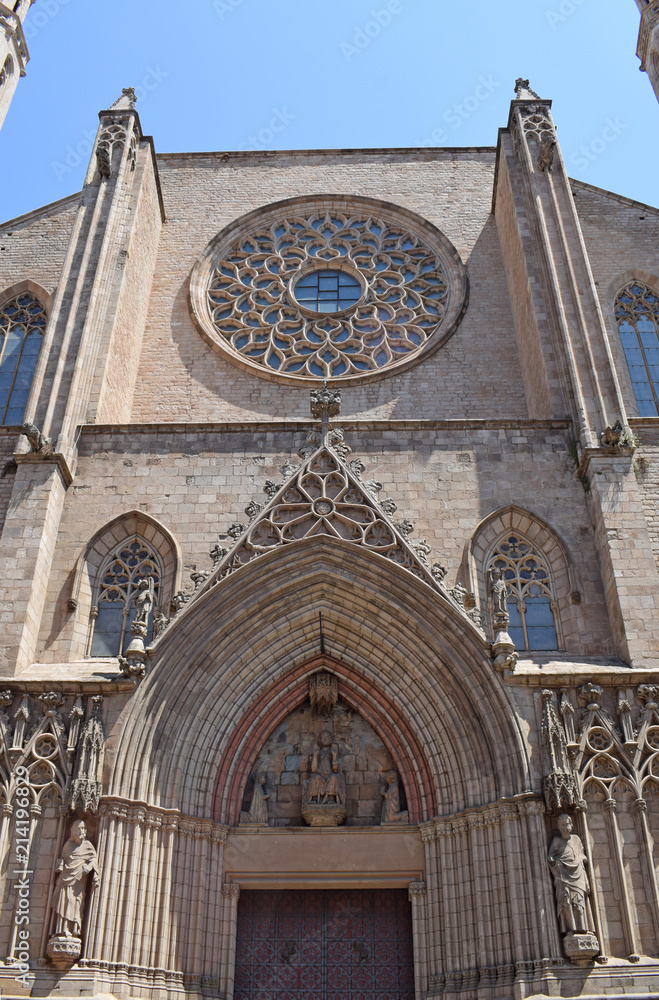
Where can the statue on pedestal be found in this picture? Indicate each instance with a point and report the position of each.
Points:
(78, 861)
(567, 863)
(324, 796)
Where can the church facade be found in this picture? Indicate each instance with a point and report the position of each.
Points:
(330, 534)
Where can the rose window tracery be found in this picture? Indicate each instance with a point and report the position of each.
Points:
(328, 293)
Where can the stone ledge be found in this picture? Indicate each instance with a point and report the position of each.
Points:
(558, 672)
(253, 426)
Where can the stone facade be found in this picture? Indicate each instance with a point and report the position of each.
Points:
(324, 685)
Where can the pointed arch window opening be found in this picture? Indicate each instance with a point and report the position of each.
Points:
(6, 71)
(534, 619)
(114, 609)
(637, 317)
(22, 324)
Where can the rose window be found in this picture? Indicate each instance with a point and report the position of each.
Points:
(328, 293)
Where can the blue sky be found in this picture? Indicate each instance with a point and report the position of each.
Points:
(289, 74)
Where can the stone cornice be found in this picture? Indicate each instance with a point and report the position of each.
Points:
(571, 673)
(415, 153)
(40, 213)
(254, 426)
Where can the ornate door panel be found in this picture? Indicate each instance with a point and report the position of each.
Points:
(334, 944)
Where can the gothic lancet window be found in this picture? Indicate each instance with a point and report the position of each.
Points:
(637, 317)
(531, 603)
(114, 605)
(22, 323)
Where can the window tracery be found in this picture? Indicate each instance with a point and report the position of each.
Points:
(637, 317)
(115, 608)
(6, 71)
(328, 293)
(530, 598)
(22, 323)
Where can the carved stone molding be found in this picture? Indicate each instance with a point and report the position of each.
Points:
(417, 889)
(141, 814)
(502, 811)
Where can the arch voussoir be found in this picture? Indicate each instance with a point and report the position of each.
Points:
(404, 658)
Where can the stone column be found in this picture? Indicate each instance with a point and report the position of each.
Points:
(417, 896)
(231, 894)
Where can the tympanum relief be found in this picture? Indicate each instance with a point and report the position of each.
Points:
(324, 770)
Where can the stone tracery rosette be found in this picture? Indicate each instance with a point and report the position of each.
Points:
(413, 290)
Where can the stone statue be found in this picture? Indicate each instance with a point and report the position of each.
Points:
(391, 805)
(78, 861)
(257, 814)
(567, 863)
(498, 592)
(324, 798)
(144, 602)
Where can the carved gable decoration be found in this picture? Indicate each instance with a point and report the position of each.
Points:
(323, 497)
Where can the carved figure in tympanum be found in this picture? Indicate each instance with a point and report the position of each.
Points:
(257, 814)
(324, 794)
(391, 811)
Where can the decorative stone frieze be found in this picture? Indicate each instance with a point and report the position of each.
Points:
(502, 811)
(141, 814)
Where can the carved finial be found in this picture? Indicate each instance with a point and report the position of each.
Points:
(325, 403)
(323, 693)
(127, 100)
(524, 92)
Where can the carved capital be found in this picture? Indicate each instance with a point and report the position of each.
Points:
(416, 889)
(231, 890)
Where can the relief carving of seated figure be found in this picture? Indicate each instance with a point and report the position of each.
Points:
(326, 787)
